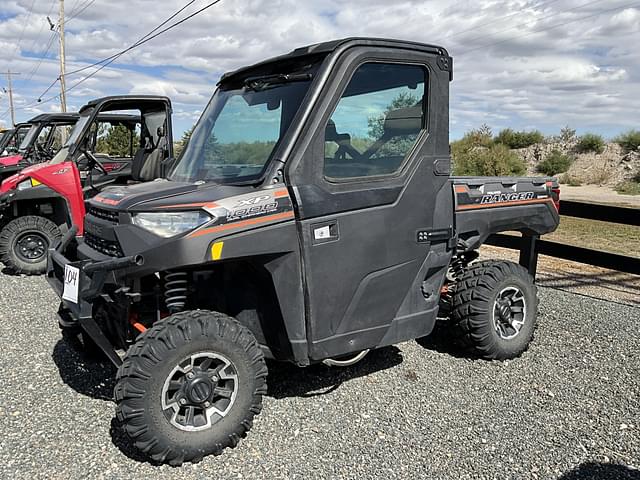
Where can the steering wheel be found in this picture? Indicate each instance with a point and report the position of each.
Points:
(94, 162)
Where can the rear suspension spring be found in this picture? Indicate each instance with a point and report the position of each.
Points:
(175, 291)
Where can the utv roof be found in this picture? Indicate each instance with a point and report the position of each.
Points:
(330, 46)
(126, 102)
(55, 117)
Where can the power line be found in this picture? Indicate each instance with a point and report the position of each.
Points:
(116, 55)
(42, 57)
(81, 9)
(495, 20)
(629, 5)
(536, 20)
(35, 40)
(24, 27)
(137, 44)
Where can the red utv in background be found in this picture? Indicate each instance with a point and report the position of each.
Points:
(41, 202)
(11, 139)
(43, 138)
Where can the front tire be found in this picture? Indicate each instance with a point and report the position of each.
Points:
(494, 310)
(24, 242)
(190, 386)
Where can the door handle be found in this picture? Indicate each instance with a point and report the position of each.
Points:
(325, 232)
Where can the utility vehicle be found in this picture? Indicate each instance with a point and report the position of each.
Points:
(12, 138)
(43, 138)
(311, 217)
(39, 204)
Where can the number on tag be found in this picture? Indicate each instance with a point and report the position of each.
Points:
(71, 282)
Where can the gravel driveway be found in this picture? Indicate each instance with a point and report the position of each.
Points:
(569, 408)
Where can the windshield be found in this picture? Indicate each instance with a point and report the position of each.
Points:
(62, 154)
(239, 130)
(29, 137)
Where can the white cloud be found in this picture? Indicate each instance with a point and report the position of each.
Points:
(518, 63)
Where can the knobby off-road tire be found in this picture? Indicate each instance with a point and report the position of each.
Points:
(24, 242)
(494, 310)
(155, 372)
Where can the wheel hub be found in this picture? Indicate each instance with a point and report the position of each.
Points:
(509, 312)
(31, 246)
(199, 391)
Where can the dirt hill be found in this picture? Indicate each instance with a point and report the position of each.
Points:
(610, 168)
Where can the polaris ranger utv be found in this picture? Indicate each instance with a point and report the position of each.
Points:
(39, 204)
(311, 217)
(40, 143)
(12, 138)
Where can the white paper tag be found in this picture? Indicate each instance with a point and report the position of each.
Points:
(71, 282)
(322, 232)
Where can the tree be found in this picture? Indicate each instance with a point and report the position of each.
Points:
(397, 146)
(115, 140)
(178, 146)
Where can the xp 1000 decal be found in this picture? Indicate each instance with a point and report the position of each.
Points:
(243, 211)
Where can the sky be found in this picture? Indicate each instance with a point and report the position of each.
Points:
(523, 64)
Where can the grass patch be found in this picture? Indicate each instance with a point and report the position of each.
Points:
(628, 188)
(606, 236)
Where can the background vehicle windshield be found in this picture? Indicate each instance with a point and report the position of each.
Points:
(29, 137)
(240, 129)
(63, 153)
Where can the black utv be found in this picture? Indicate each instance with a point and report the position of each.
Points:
(310, 218)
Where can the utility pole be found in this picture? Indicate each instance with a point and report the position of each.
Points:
(63, 95)
(8, 73)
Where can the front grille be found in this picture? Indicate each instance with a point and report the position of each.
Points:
(108, 215)
(106, 247)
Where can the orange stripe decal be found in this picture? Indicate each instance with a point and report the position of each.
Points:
(502, 204)
(182, 205)
(244, 223)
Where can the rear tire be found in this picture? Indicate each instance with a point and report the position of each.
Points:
(494, 310)
(190, 386)
(24, 242)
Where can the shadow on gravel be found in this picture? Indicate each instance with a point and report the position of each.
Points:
(95, 380)
(286, 380)
(440, 341)
(601, 471)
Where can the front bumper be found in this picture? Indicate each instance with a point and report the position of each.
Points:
(94, 274)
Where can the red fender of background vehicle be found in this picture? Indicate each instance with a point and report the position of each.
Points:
(10, 160)
(62, 178)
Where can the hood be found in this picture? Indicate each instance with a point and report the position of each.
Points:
(161, 194)
(10, 161)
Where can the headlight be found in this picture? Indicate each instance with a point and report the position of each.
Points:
(167, 224)
(24, 185)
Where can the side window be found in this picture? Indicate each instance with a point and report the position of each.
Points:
(116, 140)
(60, 136)
(376, 122)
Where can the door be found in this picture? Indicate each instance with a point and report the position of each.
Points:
(374, 216)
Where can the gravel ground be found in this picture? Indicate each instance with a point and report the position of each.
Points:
(568, 409)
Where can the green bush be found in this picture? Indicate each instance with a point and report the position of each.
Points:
(471, 156)
(590, 142)
(555, 163)
(630, 140)
(521, 139)
(629, 187)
